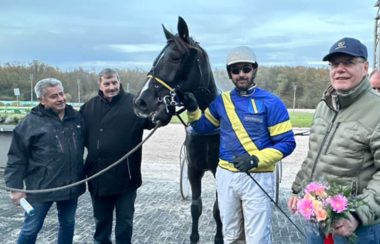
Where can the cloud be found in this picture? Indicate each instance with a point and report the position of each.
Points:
(128, 48)
(129, 33)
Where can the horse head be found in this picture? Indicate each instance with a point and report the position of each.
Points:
(182, 66)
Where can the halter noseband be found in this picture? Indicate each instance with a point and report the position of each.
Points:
(170, 100)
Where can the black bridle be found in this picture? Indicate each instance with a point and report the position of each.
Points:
(173, 99)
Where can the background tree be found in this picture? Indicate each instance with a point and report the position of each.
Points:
(280, 80)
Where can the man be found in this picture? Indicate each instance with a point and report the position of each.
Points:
(47, 152)
(374, 79)
(112, 131)
(255, 133)
(344, 144)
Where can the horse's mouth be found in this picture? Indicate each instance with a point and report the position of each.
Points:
(141, 114)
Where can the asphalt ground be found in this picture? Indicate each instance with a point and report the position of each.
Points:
(162, 215)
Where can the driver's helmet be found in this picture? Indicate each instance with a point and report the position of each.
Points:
(241, 54)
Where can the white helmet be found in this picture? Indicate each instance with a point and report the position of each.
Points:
(241, 54)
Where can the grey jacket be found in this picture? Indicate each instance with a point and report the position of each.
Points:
(344, 146)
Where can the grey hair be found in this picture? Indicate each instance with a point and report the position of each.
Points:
(108, 73)
(40, 88)
(374, 72)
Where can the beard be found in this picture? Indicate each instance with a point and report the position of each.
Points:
(246, 86)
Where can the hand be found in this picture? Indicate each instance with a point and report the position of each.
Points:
(292, 204)
(16, 196)
(190, 102)
(245, 163)
(345, 227)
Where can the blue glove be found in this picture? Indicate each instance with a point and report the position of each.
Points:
(190, 102)
(245, 163)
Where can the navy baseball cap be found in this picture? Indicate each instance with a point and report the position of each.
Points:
(349, 46)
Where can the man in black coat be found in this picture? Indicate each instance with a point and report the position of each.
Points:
(112, 131)
(47, 152)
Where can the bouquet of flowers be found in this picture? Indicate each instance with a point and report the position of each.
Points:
(322, 203)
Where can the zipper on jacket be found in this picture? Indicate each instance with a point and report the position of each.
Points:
(59, 142)
(323, 143)
(355, 188)
(75, 141)
(129, 169)
(332, 137)
(97, 145)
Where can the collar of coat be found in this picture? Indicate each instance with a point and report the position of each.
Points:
(337, 101)
(40, 110)
(115, 99)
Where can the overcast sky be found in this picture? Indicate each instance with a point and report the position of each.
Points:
(128, 34)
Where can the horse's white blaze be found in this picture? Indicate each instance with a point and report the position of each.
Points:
(158, 61)
(146, 86)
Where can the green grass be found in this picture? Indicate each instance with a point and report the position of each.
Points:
(297, 119)
(301, 119)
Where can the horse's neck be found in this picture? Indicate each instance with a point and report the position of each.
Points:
(210, 90)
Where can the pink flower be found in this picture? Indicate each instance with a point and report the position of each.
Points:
(308, 197)
(317, 188)
(320, 190)
(305, 208)
(320, 214)
(312, 187)
(338, 203)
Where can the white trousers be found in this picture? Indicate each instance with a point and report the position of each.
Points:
(238, 196)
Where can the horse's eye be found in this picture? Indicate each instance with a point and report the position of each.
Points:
(175, 58)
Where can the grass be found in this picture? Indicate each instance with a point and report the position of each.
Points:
(298, 119)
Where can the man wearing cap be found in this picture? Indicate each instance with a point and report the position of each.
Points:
(255, 133)
(374, 79)
(344, 145)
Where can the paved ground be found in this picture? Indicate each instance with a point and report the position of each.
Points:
(162, 216)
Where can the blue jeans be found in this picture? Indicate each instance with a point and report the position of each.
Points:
(33, 224)
(366, 235)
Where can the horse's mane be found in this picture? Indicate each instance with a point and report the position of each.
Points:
(184, 46)
(203, 95)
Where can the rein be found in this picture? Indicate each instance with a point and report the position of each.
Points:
(87, 179)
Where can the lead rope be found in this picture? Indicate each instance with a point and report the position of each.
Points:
(282, 211)
(87, 179)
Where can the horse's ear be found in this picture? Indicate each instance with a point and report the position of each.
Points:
(168, 35)
(183, 30)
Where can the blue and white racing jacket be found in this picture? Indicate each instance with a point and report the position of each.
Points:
(256, 123)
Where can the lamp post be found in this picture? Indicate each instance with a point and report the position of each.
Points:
(78, 80)
(31, 88)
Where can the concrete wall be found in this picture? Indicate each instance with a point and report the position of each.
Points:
(5, 142)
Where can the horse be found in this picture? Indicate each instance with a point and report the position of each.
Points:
(183, 66)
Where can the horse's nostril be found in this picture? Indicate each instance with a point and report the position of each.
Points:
(141, 104)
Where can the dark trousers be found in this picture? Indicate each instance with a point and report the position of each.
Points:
(33, 224)
(103, 208)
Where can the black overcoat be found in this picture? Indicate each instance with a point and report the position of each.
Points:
(113, 130)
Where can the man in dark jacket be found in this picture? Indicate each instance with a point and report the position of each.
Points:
(112, 131)
(47, 152)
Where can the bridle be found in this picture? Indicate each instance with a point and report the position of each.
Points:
(173, 100)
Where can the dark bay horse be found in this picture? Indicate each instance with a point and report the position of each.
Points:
(183, 66)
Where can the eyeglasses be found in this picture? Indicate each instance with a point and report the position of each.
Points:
(245, 69)
(345, 63)
(376, 88)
